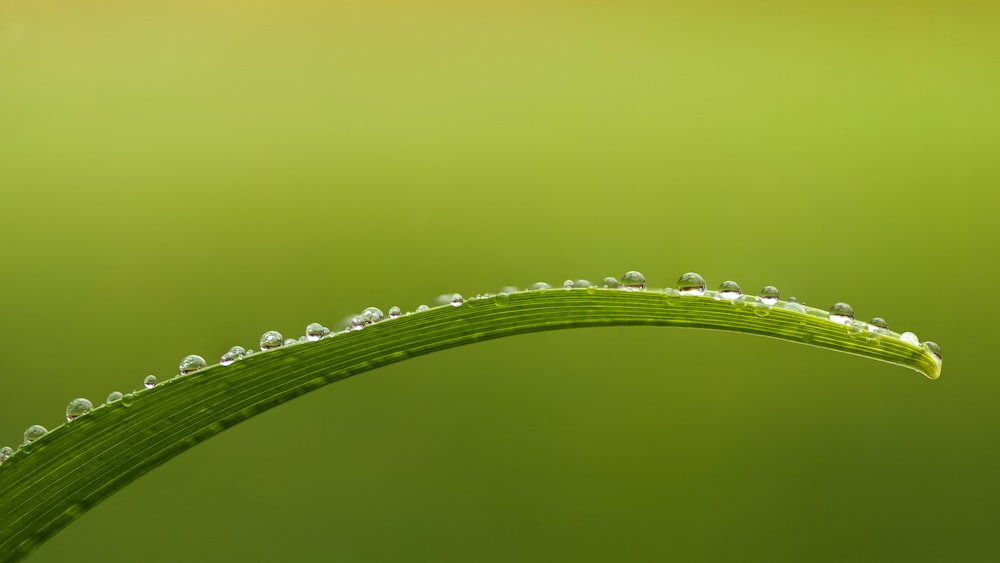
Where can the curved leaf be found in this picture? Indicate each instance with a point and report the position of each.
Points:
(49, 483)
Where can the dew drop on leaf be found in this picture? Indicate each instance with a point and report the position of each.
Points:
(857, 329)
(745, 301)
(191, 364)
(270, 340)
(34, 432)
(933, 348)
(769, 295)
(372, 315)
(729, 290)
(234, 353)
(316, 331)
(793, 305)
(633, 281)
(77, 408)
(841, 313)
(691, 284)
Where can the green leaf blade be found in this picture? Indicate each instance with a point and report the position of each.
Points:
(53, 481)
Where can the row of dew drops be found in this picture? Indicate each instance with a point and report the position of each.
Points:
(689, 284)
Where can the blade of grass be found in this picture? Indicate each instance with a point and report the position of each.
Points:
(49, 483)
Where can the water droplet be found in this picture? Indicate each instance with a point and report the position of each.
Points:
(34, 432)
(234, 353)
(691, 284)
(372, 315)
(290, 342)
(249, 352)
(508, 289)
(610, 283)
(191, 364)
(315, 331)
(857, 329)
(769, 295)
(539, 285)
(875, 334)
(761, 310)
(395, 312)
(358, 322)
(729, 290)
(910, 338)
(456, 300)
(569, 284)
(128, 399)
(879, 322)
(5, 452)
(270, 340)
(502, 299)
(114, 396)
(149, 382)
(933, 348)
(670, 294)
(76, 409)
(423, 308)
(793, 305)
(633, 281)
(841, 313)
(583, 283)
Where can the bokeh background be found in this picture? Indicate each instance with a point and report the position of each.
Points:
(179, 177)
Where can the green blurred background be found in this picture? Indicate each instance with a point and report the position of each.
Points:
(179, 177)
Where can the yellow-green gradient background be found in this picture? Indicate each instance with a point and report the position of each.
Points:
(177, 178)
